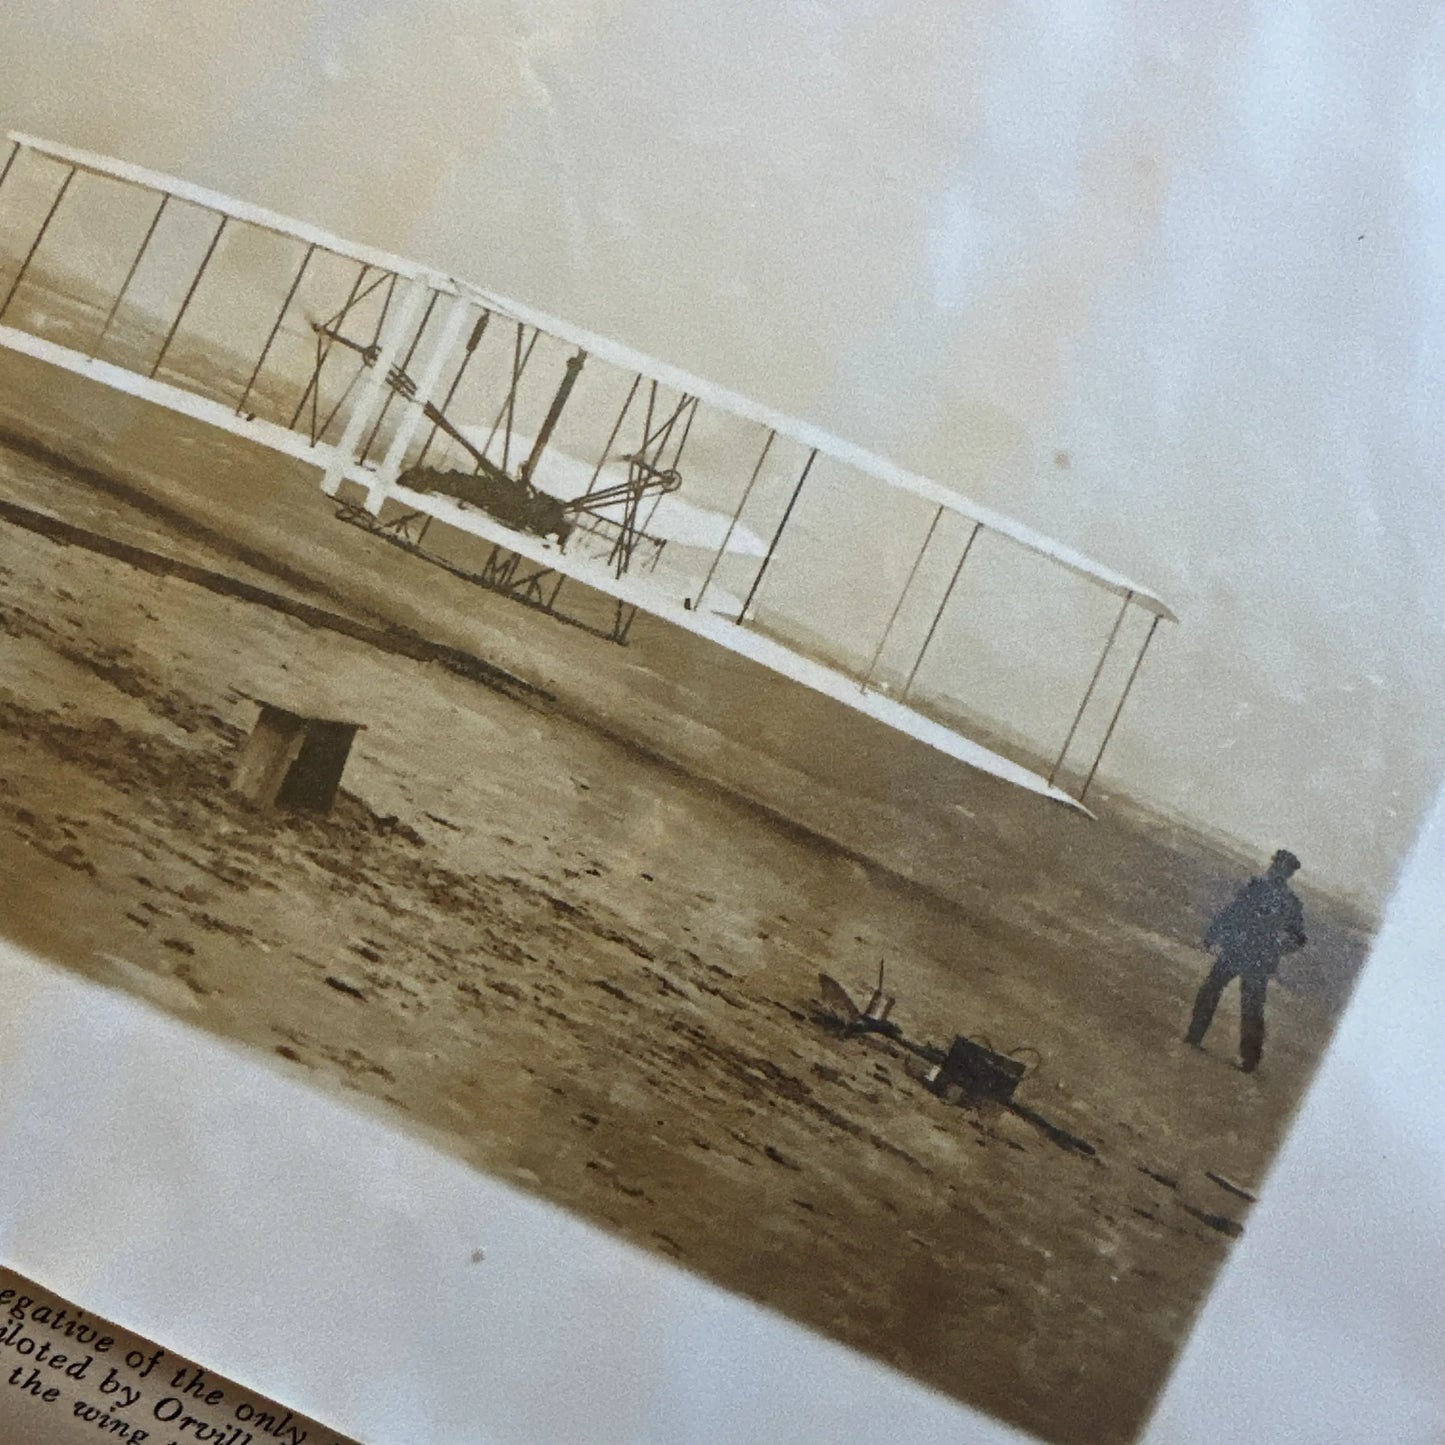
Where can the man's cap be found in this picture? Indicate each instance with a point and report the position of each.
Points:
(1285, 859)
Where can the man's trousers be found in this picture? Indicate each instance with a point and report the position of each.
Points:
(1252, 988)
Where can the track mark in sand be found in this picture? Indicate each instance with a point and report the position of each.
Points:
(341, 986)
(607, 1170)
(349, 1062)
(665, 985)
(1230, 1187)
(795, 1014)
(1218, 1222)
(1168, 1181)
(211, 924)
(52, 838)
(607, 986)
(114, 665)
(183, 972)
(353, 1062)
(68, 855)
(728, 998)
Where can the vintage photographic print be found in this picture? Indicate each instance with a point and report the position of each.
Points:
(890, 827)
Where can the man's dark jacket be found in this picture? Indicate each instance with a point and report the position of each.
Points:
(1264, 922)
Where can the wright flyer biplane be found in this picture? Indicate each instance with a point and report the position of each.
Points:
(568, 472)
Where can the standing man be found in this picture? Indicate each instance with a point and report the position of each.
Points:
(1263, 923)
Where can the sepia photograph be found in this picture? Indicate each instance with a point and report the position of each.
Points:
(852, 722)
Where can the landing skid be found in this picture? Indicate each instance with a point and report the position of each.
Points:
(504, 572)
